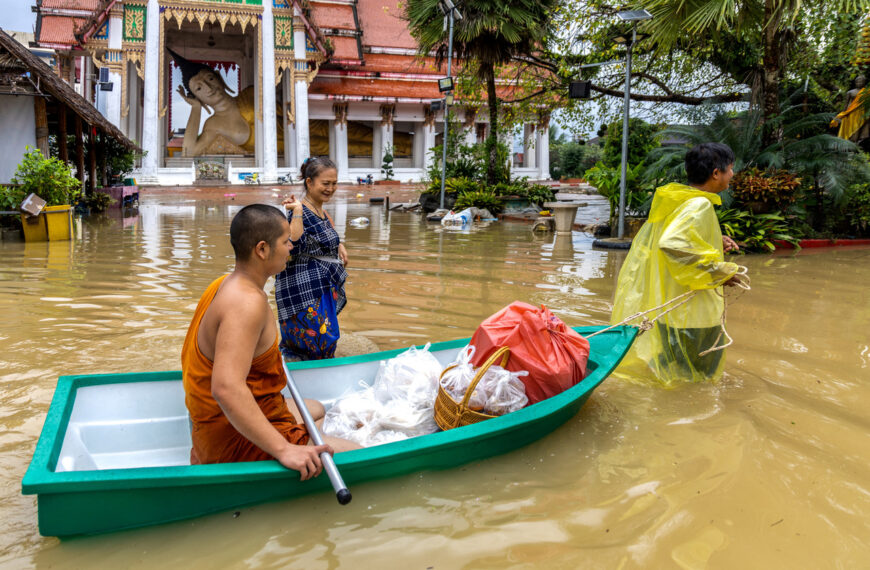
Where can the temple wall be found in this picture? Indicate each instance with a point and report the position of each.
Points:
(17, 116)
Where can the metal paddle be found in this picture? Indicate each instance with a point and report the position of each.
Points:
(341, 492)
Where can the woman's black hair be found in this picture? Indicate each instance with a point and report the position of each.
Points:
(703, 159)
(313, 166)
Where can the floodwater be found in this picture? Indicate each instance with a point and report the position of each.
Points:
(768, 469)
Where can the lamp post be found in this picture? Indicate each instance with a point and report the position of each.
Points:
(446, 85)
(633, 16)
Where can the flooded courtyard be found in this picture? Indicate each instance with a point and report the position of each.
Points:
(768, 469)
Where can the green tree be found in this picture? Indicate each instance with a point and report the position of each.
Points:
(490, 34)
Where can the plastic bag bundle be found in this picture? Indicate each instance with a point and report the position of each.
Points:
(458, 375)
(411, 376)
(498, 392)
(355, 416)
(505, 392)
(398, 406)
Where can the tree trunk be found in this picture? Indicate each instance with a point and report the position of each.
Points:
(771, 73)
(492, 101)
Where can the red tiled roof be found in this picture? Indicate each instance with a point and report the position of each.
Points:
(72, 4)
(59, 30)
(382, 24)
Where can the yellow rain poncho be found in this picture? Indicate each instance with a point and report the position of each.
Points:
(677, 250)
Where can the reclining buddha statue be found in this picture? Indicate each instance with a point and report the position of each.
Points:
(230, 129)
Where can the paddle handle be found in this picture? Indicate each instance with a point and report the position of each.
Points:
(341, 491)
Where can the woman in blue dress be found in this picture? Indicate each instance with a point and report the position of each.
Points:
(310, 291)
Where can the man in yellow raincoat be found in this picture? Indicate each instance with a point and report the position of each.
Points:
(679, 249)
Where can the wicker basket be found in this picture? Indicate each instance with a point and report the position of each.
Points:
(449, 413)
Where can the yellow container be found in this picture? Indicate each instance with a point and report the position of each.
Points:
(34, 228)
(58, 222)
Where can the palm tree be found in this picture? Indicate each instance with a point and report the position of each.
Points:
(830, 164)
(491, 33)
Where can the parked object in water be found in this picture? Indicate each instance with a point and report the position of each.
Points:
(115, 448)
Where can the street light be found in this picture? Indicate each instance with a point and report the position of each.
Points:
(633, 16)
(450, 12)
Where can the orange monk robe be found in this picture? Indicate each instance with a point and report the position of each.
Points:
(853, 118)
(215, 440)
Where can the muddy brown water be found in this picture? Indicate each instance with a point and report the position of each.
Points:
(768, 469)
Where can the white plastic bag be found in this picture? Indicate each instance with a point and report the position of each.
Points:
(498, 392)
(399, 405)
(456, 377)
(505, 392)
(411, 376)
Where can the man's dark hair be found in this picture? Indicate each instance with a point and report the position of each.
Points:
(704, 158)
(253, 224)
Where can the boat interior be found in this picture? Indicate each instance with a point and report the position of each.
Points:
(128, 425)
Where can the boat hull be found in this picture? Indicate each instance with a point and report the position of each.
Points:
(96, 501)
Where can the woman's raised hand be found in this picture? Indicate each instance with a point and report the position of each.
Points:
(293, 204)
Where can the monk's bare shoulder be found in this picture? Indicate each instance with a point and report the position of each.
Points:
(238, 307)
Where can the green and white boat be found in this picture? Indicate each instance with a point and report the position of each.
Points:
(115, 448)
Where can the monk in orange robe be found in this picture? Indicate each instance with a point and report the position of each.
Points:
(231, 365)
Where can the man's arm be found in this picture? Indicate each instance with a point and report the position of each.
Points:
(235, 344)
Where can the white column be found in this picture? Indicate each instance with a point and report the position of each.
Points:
(338, 141)
(150, 112)
(419, 145)
(270, 126)
(428, 145)
(542, 144)
(113, 97)
(529, 146)
(377, 145)
(289, 132)
(303, 141)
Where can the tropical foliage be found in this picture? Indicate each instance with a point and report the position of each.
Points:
(754, 232)
(491, 33)
(48, 178)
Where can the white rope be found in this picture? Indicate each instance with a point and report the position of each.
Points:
(743, 285)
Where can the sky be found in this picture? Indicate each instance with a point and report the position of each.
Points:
(16, 16)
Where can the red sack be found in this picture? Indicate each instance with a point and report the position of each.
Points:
(554, 355)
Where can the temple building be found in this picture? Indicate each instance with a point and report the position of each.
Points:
(224, 89)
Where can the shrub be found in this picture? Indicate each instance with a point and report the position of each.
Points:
(606, 180)
(771, 189)
(754, 232)
(479, 199)
(576, 159)
(858, 206)
(387, 166)
(97, 202)
(11, 197)
(48, 178)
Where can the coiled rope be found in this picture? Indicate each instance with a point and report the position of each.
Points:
(742, 283)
